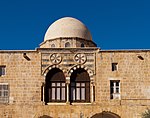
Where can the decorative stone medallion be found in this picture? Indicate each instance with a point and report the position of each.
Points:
(55, 58)
(80, 58)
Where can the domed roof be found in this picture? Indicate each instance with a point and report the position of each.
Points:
(67, 27)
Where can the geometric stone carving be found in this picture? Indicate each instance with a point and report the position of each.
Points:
(80, 58)
(55, 58)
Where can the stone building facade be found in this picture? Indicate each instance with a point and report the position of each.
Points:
(69, 77)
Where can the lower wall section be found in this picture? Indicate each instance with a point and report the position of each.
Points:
(68, 111)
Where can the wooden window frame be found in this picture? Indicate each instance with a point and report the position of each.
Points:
(114, 88)
(56, 87)
(78, 77)
(80, 87)
(54, 78)
(4, 93)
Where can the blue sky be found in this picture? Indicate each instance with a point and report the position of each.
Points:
(114, 24)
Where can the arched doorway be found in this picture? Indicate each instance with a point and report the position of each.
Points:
(55, 88)
(106, 115)
(80, 86)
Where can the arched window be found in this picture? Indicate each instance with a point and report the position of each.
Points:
(80, 86)
(55, 88)
(82, 44)
(53, 45)
(67, 44)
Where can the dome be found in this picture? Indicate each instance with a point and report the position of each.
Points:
(67, 27)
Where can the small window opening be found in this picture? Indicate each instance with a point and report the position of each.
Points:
(2, 70)
(115, 89)
(67, 44)
(82, 45)
(114, 66)
(4, 93)
(53, 45)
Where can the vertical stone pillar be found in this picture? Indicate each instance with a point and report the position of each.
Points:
(43, 87)
(119, 87)
(67, 86)
(92, 92)
(43, 93)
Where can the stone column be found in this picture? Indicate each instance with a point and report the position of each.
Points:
(67, 86)
(43, 93)
(92, 92)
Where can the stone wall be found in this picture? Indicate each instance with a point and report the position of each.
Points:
(133, 73)
(24, 76)
(68, 111)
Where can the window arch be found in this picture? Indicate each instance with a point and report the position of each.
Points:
(80, 86)
(67, 44)
(55, 88)
(53, 45)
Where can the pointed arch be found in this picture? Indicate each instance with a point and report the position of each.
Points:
(105, 114)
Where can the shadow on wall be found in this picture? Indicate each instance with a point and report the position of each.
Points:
(45, 116)
(105, 114)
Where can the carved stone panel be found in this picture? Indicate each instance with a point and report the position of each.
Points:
(80, 58)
